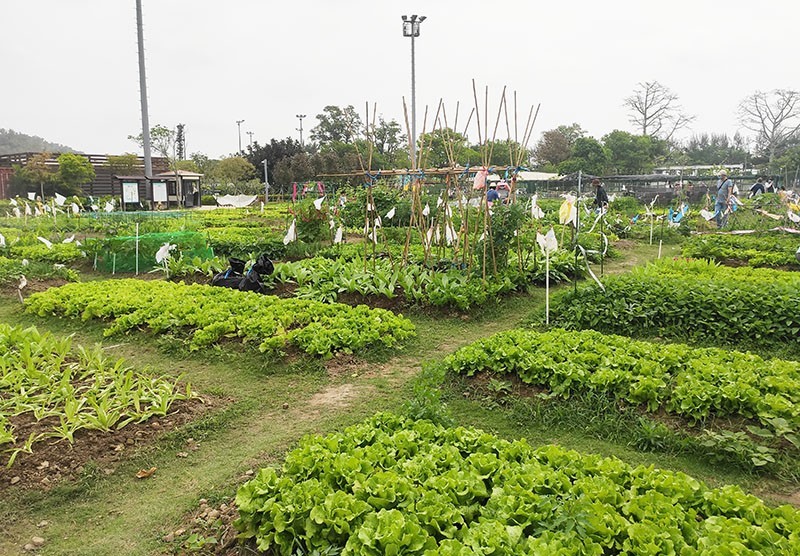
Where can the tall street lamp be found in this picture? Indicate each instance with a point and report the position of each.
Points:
(239, 125)
(300, 129)
(411, 29)
(250, 133)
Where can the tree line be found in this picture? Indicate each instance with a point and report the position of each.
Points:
(342, 144)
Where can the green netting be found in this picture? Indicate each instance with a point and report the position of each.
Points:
(118, 254)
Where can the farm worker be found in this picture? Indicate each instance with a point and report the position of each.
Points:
(600, 195)
(722, 206)
(492, 195)
(757, 188)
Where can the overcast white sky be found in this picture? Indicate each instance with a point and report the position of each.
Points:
(70, 72)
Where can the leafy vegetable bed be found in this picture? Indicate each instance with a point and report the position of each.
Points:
(72, 387)
(754, 250)
(690, 300)
(209, 315)
(12, 270)
(393, 486)
(323, 279)
(697, 384)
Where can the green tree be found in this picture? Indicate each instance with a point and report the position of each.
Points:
(715, 149)
(123, 164)
(162, 141)
(789, 163)
(203, 164)
(439, 142)
(296, 168)
(502, 151)
(389, 141)
(555, 146)
(337, 124)
(588, 155)
(273, 152)
(188, 166)
(36, 174)
(234, 169)
(74, 170)
(629, 153)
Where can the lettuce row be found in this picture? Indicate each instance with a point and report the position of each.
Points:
(208, 315)
(696, 383)
(394, 486)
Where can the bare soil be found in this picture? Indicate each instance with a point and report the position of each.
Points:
(55, 461)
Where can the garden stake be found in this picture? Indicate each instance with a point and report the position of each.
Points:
(602, 219)
(137, 249)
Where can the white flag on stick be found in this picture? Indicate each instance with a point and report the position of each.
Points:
(291, 234)
(163, 253)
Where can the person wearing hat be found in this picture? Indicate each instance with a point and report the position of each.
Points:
(722, 206)
(492, 195)
(600, 195)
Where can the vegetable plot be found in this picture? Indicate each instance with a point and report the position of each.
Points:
(206, 315)
(72, 388)
(690, 300)
(323, 279)
(698, 384)
(752, 249)
(393, 486)
(12, 270)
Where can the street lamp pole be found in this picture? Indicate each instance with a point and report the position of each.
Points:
(250, 133)
(300, 129)
(239, 125)
(411, 27)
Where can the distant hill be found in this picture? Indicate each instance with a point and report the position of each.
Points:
(14, 142)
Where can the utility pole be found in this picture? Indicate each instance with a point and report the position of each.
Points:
(148, 161)
(300, 129)
(239, 125)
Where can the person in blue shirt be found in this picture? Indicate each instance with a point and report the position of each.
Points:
(724, 200)
(491, 194)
